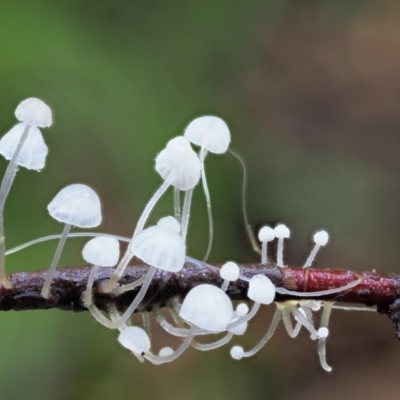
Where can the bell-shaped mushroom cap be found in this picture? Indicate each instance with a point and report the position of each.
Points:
(180, 161)
(135, 339)
(34, 150)
(209, 132)
(76, 205)
(261, 289)
(34, 112)
(102, 251)
(282, 231)
(161, 246)
(207, 307)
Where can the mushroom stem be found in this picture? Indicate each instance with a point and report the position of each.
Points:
(268, 335)
(152, 202)
(89, 286)
(157, 360)
(203, 154)
(264, 252)
(292, 332)
(6, 183)
(322, 341)
(312, 255)
(46, 287)
(177, 204)
(213, 345)
(186, 213)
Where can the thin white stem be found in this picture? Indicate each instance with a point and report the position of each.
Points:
(89, 286)
(46, 287)
(312, 255)
(322, 342)
(146, 322)
(320, 292)
(186, 213)
(245, 318)
(274, 323)
(5, 187)
(157, 360)
(287, 322)
(130, 286)
(249, 230)
(203, 154)
(109, 286)
(177, 204)
(152, 202)
(279, 256)
(214, 345)
(264, 252)
(225, 285)
(303, 320)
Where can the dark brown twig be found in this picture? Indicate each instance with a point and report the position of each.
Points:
(69, 284)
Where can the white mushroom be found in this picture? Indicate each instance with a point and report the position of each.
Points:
(211, 134)
(161, 247)
(101, 251)
(76, 205)
(265, 235)
(23, 145)
(229, 272)
(320, 239)
(281, 232)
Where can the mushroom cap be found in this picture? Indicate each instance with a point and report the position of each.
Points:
(321, 238)
(230, 271)
(34, 112)
(179, 160)
(261, 289)
(76, 205)
(161, 246)
(34, 150)
(209, 132)
(282, 231)
(266, 234)
(102, 251)
(135, 339)
(240, 329)
(242, 309)
(165, 351)
(207, 307)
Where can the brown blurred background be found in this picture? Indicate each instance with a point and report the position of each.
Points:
(311, 92)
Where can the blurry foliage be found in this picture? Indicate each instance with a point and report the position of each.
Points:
(311, 92)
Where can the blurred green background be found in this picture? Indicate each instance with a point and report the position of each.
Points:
(311, 92)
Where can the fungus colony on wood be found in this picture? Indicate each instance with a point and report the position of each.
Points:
(206, 309)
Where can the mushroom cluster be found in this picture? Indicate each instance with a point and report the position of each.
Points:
(206, 310)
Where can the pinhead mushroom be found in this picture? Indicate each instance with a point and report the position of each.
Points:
(320, 239)
(281, 232)
(242, 309)
(207, 307)
(265, 235)
(76, 205)
(237, 352)
(261, 289)
(230, 272)
(34, 112)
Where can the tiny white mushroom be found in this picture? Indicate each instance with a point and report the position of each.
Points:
(266, 234)
(242, 309)
(211, 134)
(229, 272)
(23, 145)
(320, 239)
(76, 205)
(281, 232)
(161, 247)
(261, 289)
(237, 352)
(135, 339)
(101, 251)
